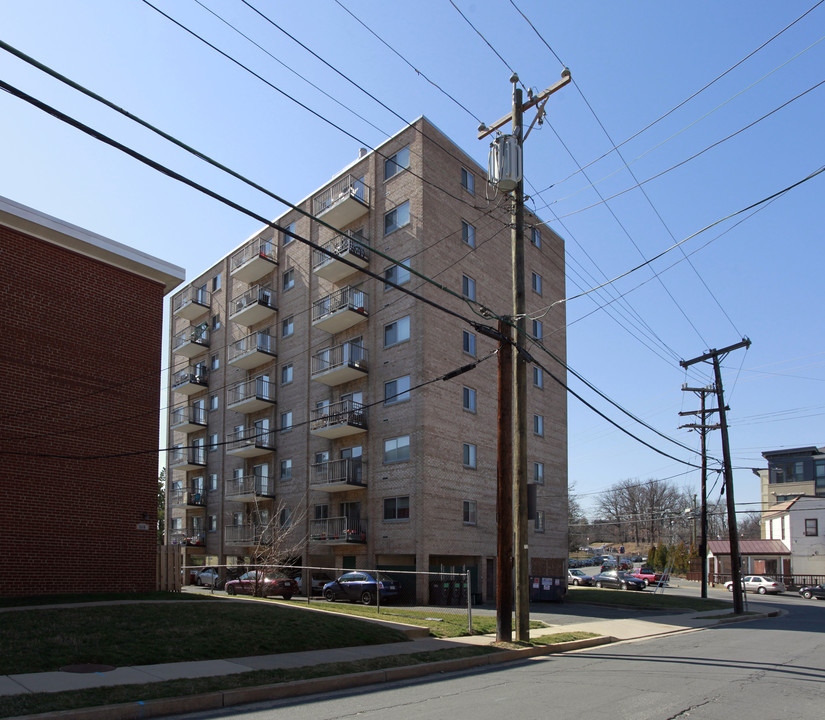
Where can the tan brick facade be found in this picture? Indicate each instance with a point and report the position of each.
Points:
(434, 478)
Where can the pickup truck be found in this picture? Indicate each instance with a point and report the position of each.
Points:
(650, 576)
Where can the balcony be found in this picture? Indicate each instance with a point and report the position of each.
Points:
(339, 364)
(192, 497)
(251, 395)
(252, 351)
(191, 303)
(337, 475)
(340, 310)
(247, 535)
(191, 342)
(253, 261)
(343, 202)
(342, 247)
(338, 531)
(192, 380)
(189, 537)
(250, 442)
(187, 418)
(340, 419)
(187, 458)
(250, 488)
(253, 306)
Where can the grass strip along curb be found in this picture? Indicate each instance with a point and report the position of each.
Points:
(135, 702)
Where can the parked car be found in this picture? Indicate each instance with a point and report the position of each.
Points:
(362, 587)
(649, 575)
(758, 583)
(577, 577)
(813, 591)
(318, 581)
(618, 579)
(617, 565)
(210, 577)
(262, 584)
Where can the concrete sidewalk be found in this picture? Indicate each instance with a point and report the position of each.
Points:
(606, 630)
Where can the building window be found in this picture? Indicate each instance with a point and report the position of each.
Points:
(321, 511)
(216, 322)
(819, 477)
(285, 518)
(286, 421)
(394, 164)
(213, 482)
(538, 424)
(468, 287)
(397, 274)
(811, 527)
(397, 508)
(535, 237)
(213, 442)
(539, 521)
(397, 449)
(397, 218)
(468, 342)
(469, 455)
(289, 279)
(286, 374)
(286, 469)
(468, 234)
(538, 329)
(215, 362)
(468, 182)
(216, 282)
(470, 512)
(536, 282)
(397, 390)
(397, 332)
(468, 399)
(212, 523)
(214, 402)
(538, 473)
(287, 326)
(538, 377)
(288, 238)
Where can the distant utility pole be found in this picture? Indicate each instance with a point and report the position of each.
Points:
(703, 429)
(518, 519)
(733, 532)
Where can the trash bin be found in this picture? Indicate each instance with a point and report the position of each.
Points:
(553, 589)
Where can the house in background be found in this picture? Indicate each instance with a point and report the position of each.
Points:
(80, 371)
(799, 524)
(759, 557)
(791, 472)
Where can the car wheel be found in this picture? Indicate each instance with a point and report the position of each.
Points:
(329, 595)
(198, 582)
(576, 582)
(366, 597)
(807, 594)
(730, 588)
(230, 590)
(599, 584)
(288, 596)
(624, 586)
(761, 591)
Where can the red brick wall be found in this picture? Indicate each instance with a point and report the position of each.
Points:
(80, 348)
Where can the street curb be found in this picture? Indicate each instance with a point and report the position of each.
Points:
(297, 688)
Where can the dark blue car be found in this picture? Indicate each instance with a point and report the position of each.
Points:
(362, 587)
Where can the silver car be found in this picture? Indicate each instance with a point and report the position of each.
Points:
(577, 577)
(759, 584)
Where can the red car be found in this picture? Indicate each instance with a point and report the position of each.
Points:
(262, 584)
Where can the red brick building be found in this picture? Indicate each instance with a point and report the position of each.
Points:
(80, 370)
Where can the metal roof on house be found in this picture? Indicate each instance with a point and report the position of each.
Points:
(749, 547)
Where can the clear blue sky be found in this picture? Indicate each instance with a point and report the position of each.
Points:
(632, 63)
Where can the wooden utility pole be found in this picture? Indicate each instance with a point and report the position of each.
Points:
(733, 531)
(519, 418)
(703, 429)
(504, 497)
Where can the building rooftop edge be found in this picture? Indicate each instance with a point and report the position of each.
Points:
(59, 232)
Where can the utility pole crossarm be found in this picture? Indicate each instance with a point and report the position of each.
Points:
(682, 413)
(696, 426)
(711, 354)
(566, 78)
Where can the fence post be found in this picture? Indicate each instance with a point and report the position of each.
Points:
(469, 606)
(377, 594)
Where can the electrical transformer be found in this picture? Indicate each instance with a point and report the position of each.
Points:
(504, 163)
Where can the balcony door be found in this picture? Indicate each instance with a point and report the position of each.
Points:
(353, 454)
(262, 479)
(353, 351)
(352, 512)
(199, 411)
(262, 432)
(262, 387)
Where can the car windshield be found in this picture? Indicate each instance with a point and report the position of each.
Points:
(576, 572)
(382, 577)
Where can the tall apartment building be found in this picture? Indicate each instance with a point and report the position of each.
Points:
(296, 396)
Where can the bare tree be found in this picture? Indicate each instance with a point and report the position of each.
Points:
(750, 527)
